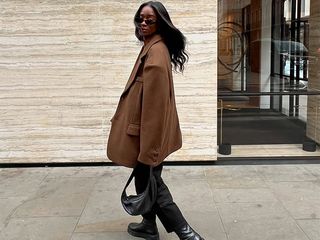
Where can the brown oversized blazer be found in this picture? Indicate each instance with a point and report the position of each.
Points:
(145, 126)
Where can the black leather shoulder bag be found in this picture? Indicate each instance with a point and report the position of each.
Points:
(141, 203)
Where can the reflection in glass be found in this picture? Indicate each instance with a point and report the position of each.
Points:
(264, 71)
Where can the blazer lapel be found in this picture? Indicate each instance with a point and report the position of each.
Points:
(139, 61)
(133, 74)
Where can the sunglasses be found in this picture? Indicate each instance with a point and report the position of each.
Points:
(149, 22)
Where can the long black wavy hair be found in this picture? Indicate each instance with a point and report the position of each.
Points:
(173, 38)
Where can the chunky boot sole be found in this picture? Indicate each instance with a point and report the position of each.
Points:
(143, 235)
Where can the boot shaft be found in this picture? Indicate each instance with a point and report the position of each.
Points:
(187, 233)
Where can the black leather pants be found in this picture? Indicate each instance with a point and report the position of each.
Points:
(166, 210)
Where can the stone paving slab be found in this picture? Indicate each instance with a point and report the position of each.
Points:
(282, 173)
(239, 195)
(311, 227)
(296, 191)
(103, 236)
(267, 202)
(103, 212)
(234, 177)
(313, 169)
(58, 197)
(265, 229)
(73, 172)
(304, 209)
(7, 208)
(189, 194)
(21, 182)
(49, 228)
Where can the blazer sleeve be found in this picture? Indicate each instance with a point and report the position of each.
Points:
(155, 102)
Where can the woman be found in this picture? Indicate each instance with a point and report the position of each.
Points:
(145, 128)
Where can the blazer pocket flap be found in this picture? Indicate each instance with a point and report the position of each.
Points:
(133, 129)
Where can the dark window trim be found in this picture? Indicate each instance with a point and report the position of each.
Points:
(247, 94)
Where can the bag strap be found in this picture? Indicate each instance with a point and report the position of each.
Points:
(132, 176)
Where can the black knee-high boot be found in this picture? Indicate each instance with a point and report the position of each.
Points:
(147, 229)
(187, 233)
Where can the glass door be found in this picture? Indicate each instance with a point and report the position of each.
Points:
(266, 75)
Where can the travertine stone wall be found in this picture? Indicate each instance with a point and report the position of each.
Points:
(313, 121)
(63, 65)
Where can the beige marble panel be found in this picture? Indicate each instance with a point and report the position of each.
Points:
(63, 65)
(313, 121)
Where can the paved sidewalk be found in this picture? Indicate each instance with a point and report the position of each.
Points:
(264, 202)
